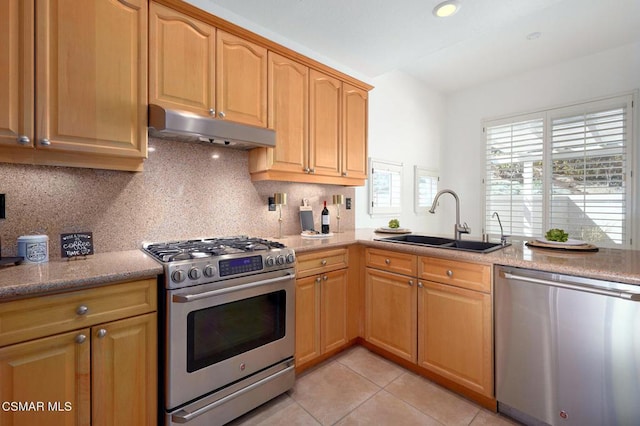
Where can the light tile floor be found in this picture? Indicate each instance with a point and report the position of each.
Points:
(358, 387)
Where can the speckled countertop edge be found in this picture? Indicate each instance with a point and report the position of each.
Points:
(28, 280)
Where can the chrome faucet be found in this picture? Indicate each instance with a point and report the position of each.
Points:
(503, 238)
(458, 229)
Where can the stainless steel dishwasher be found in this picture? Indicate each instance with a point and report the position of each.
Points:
(567, 349)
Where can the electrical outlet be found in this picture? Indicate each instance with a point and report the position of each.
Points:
(3, 212)
(347, 203)
(272, 204)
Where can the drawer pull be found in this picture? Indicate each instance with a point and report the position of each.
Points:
(323, 262)
(449, 273)
(80, 338)
(420, 285)
(101, 333)
(318, 279)
(324, 277)
(410, 283)
(82, 310)
(387, 261)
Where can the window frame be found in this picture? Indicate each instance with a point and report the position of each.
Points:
(433, 175)
(574, 110)
(390, 167)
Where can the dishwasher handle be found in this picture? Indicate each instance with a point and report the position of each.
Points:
(579, 287)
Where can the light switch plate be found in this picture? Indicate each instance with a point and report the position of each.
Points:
(347, 203)
(272, 204)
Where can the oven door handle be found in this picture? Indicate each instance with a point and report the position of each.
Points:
(184, 417)
(186, 298)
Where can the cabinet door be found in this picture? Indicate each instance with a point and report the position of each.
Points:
(307, 319)
(324, 124)
(53, 371)
(92, 77)
(241, 80)
(391, 313)
(16, 69)
(181, 61)
(455, 335)
(288, 114)
(124, 372)
(333, 332)
(354, 132)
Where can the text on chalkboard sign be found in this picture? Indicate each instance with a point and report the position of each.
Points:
(76, 244)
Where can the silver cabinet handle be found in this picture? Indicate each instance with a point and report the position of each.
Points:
(24, 140)
(82, 310)
(101, 333)
(420, 285)
(387, 261)
(45, 142)
(345, 174)
(212, 111)
(312, 170)
(410, 283)
(324, 278)
(221, 114)
(318, 279)
(306, 170)
(80, 338)
(323, 262)
(449, 273)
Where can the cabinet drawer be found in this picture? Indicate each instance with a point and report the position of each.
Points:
(461, 274)
(27, 319)
(322, 261)
(400, 263)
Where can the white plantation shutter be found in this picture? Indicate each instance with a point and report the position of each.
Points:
(565, 168)
(425, 189)
(589, 190)
(385, 187)
(513, 181)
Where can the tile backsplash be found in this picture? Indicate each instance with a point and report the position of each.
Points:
(183, 193)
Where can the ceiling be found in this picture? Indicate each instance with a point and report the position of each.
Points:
(486, 40)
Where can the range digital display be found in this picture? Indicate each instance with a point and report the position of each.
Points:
(240, 265)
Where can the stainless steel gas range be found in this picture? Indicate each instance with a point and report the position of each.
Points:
(227, 328)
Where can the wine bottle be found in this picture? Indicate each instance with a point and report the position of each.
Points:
(325, 219)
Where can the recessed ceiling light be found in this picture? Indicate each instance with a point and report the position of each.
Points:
(446, 8)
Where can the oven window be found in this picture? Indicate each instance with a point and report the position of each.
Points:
(220, 332)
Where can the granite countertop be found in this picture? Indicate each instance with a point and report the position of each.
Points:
(34, 279)
(28, 280)
(606, 264)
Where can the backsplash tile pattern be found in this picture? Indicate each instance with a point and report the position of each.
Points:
(183, 193)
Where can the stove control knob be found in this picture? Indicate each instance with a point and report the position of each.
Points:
(194, 273)
(270, 261)
(209, 271)
(178, 276)
(291, 258)
(280, 260)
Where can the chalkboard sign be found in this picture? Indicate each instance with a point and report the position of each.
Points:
(76, 244)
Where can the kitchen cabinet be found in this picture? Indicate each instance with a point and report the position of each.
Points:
(288, 115)
(93, 352)
(455, 337)
(435, 313)
(330, 146)
(91, 76)
(391, 302)
(321, 305)
(181, 61)
(241, 80)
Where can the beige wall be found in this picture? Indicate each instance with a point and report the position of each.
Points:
(183, 193)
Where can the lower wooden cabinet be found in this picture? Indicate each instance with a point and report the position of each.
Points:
(89, 371)
(391, 312)
(455, 335)
(322, 305)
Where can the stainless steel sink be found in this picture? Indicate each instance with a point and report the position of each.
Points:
(445, 243)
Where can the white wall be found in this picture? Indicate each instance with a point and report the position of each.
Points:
(406, 125)
(606, 73)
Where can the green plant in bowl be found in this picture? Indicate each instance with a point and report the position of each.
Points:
(394, 224)
(556, 234)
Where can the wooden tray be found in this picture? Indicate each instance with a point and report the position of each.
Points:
(586, 247)
(385, 230)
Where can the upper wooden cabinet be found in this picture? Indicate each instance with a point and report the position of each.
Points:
(354, 132)
(324, 124)
(241, 80)
(91, 79)
(181, 61)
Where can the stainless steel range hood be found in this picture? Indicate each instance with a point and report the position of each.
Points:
(188, 127)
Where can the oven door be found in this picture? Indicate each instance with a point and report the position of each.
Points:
(226, 331)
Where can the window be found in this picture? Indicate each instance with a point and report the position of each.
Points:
(565, 168)
(385, 187)
(425, 187)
